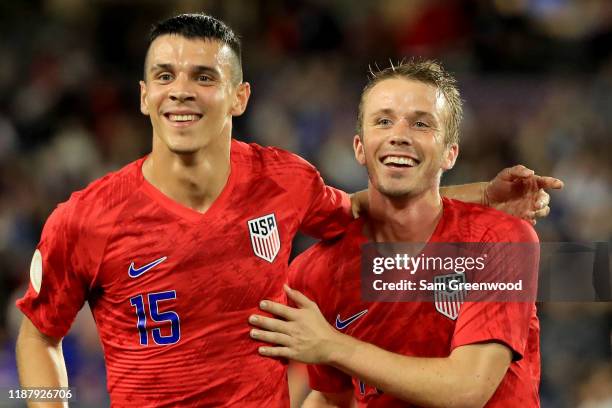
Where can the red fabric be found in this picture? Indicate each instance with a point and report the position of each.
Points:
(89, 243)
(329, 273)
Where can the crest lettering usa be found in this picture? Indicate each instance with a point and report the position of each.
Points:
(264, 237)
(448, 301)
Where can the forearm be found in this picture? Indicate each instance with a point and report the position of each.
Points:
(428, 382)
(40, 362)
(470, 193)
(317, 399)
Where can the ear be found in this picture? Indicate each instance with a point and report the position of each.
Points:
(359, 150)
(450, 158)
(144, 108)
(243, 92)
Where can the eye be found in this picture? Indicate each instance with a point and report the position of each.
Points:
(165, 77)
(204, 78)
(420, 124)
(384, 122)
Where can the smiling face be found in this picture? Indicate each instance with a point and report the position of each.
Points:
(189, 92)
(403, 144)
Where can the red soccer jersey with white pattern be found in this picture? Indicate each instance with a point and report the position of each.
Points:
(329, 274)
(171, 288)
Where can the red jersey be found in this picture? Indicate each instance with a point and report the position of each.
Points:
(329, 274)
(170, 288)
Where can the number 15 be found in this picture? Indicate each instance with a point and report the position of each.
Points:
(158, 317)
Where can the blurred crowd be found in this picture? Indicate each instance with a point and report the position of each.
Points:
(536, 77)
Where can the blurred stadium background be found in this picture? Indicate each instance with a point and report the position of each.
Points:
(536, 76)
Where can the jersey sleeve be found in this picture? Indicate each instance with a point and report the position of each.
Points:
(57, 290)
(506, 322)
(325, 211)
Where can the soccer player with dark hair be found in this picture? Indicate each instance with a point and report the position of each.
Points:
(391, 354)
(174, 251)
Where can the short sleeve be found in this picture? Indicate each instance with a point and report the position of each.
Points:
(56, 291)
(505, 322)
(326, 210)
(500, 322)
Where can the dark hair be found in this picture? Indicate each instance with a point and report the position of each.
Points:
(201, 26)
(428, 72)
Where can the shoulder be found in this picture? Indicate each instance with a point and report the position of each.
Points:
(326, 260)
(112, 188)
(98, 200)
(270, 159)
(477, 223)
(318, 256)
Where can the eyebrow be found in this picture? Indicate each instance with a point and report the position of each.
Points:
(426, 114)
(385, 111)
(389, 111)
(196, 69)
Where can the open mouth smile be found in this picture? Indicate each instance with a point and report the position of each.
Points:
(182, 119)
(399, 161)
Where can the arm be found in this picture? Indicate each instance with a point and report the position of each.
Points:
(515, 190)
(317, 399)
(40, 361)
(466, 378)
(471, 193)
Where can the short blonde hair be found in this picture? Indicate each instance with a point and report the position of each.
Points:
(429, 72)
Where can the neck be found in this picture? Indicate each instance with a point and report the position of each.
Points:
(404, 219)
(194, 180)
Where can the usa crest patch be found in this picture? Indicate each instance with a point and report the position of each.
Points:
(448, 302)
(264, 237)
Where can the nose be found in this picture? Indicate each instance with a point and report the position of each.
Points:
(402, 135)
(400, 140)
(181, 90)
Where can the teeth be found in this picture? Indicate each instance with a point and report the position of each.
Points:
(406, 161)
(182, 118)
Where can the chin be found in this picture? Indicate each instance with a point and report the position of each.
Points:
(396, 192)
(185, 145)
(183, 149)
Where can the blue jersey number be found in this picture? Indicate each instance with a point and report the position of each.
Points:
(158, 317)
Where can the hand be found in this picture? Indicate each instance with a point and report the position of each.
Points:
(359, 203)
(519, 191)
(304, 334)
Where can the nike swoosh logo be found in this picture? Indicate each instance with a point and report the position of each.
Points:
(136, 272)
(343, 324)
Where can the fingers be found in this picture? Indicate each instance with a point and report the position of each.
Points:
(269, 324)
(276, 352)
(271, 337)
(278, 309)
(549, 182)
(301, 300)
(542, 200)
(354, 205)
(542, 208)
(518, 171)
(543, 212)
(531, 216)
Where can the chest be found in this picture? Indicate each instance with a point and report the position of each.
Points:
(237, 252)
(409, 328)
